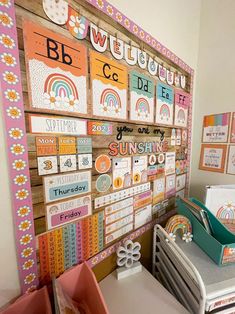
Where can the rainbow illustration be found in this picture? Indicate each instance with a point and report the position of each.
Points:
(111, 99)
(178, 222)
(181, 115)
(142, 106)
(165, 112)
(61, 85)
(226, 213)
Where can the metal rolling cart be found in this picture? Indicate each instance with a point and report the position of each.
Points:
(191, 276)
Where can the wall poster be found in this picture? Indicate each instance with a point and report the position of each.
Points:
(57, 70)
(182, 100)
(213, 157)
(109, 87)
(165, 104)
(84, 144)
(141, 98)
(216, 128)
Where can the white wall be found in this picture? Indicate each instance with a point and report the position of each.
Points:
(176, 25)
(215, 91)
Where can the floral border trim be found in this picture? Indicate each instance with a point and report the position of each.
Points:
(13, 114)
(135, 29)
(92, 262)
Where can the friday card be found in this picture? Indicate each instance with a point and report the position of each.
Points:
(165, 104)
(140, 169)
(63, 186)
(141, 97)
(56, 70)
(121, 172)
(216, 128)
(170, 163)
(182, 100)
(109, 87)
(62, 213)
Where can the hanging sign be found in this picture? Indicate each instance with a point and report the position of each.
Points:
(152, 66)
(62, 65)
(169, 77)
(116, 47)
(182, 81)
(63, 186)
(181, 108)
(57, 11)
(162, 73)
(141, 97)
(109, 87)
(54, 124)
(62, 213)
(164, 110)
(77, 24)
(177, 80)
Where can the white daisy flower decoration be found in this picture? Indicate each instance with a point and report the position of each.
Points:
(27, 252)
(10, 78)
(187, 237)
(25, 225)
(7, 41)
(19, 164)
(20, 179)
(77, 25)
(12, 95)
(15, 133)
(29, 278)
(51, 100)
(6, 20)
(5, 3)
(8, 59)
(23, 211)
(28, 264)
(105, 108)
(14, 112)
(26, 239)
(17, 149)
(22, 194)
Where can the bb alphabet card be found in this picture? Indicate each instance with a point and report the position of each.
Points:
(56, 70)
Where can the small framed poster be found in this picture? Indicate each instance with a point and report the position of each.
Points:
(216, 128)
(165, 104)
(213, 157)
(182, 101)
(231, 160)
(232, 134)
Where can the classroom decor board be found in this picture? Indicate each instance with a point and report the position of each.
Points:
(92, 156)
(216, 128)
(213, 157)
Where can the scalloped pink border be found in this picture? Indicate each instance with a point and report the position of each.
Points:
(24, 224)
(13, 113)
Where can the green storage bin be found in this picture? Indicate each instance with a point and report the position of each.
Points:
(220, 246)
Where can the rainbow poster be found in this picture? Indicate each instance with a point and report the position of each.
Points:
(56, 71)
(109, 87)
(165, 104)
(182, 100)
(216, 128)
(141, 97)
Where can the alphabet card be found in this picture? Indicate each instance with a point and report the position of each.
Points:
(165, 104)
(181, 108)
(121, 172)
(109, 87)
(62, 213)
(63, 186)
(140, 169)
(141, 97)
(56, 70)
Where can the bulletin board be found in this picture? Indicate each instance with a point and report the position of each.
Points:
(98, 119)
